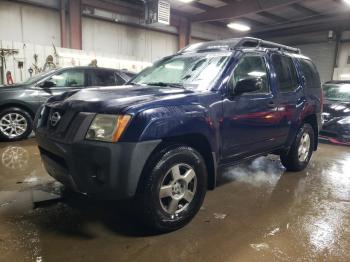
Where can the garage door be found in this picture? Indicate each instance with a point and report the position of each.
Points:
(323, 56)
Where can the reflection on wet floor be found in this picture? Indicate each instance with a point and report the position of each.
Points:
(259, 212)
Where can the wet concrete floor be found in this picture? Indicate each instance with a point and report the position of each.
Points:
(259, 212)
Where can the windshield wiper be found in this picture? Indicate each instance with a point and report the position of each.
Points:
(166, 84)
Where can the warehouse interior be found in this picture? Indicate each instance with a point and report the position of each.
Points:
(258, 211)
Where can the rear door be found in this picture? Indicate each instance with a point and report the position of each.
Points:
(291, 93)
(250, 123)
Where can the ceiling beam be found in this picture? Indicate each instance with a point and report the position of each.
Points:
(252, 22)
(275, 18)
(132, 10)
(241, 8)
(201, 6)
(195, 4)
(304, 10)
(334, 22)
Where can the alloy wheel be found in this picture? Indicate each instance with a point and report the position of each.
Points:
(304, 147)
(178, 189)
(13, 125)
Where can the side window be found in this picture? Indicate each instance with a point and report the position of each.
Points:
(312, 78)
(119, 79)
(252, 66)
(102, 78)
(286, 74)
(69, 78)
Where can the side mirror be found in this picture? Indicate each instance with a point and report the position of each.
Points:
(248, 85)
(47, 84)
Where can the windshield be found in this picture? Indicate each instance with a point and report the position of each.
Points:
(191, 71)
(337, 92)
(37, 77)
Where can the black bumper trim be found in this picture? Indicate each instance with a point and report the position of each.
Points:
(108, 170)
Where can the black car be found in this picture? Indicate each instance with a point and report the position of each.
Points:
(336, 112)
(19, 103)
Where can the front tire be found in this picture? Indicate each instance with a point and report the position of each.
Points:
(15, 124)
(301, 150)
(173, 188)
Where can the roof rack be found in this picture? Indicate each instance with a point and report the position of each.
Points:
(235, 43)
(256, 42)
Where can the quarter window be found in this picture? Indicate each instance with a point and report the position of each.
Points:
(104, 78)
(286, 74)
(251, 66)
(312, 78)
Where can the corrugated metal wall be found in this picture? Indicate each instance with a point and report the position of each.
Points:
(24, 23)
(29, 24)
(128, 42)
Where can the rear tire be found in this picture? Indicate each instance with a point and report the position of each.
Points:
(301, 150)
(173, 188)
(15, 124)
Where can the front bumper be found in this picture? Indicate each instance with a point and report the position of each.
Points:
(107, 170)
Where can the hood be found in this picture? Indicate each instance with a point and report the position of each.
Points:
(333, 109)
(115, 99)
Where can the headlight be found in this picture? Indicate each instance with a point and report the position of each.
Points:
(345, 121)
(107, 128)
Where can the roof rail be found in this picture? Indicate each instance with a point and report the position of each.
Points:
(256, 42)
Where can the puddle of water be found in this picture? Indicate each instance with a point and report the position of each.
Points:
(260, 246)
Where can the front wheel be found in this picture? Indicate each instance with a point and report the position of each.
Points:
(15, 124)
(301, 151)
(173, 188)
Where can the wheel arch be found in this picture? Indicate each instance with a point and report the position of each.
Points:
(20, 106)
(312, 120)
(198, 142)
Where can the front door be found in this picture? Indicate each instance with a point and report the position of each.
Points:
(67, 80)
(250, 123)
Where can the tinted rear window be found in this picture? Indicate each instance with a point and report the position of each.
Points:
(312, 78)
(286, 74)
(104, 78)
(129, 74)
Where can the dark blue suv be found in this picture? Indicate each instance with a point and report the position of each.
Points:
(162, 139)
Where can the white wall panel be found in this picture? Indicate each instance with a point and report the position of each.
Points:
(342, 72)
(127, 42)
(26, 23)
(10, 30)
(62, 58)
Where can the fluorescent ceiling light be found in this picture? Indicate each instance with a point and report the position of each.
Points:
(239, 26)
(347, 1)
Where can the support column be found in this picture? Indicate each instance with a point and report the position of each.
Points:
(63, 20)
(75, 24)
(184, 29)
